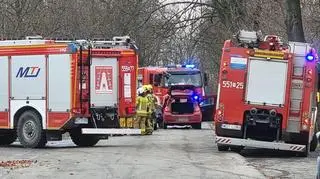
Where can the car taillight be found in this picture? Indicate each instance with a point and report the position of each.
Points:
(196, 108)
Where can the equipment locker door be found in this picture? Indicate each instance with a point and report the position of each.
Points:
(104, 82)
(28, 77)
(266, 81)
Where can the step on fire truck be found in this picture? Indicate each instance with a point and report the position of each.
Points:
(266, 95)
(165, 78)
(49, 87)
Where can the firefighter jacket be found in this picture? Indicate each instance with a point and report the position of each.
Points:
(143, 105)
(153, 102)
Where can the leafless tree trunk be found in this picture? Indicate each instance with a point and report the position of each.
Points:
(294, 21)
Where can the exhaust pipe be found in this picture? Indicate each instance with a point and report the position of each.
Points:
(273, 113)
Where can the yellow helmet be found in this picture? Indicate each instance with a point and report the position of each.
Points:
(149, 87)
(145, 88)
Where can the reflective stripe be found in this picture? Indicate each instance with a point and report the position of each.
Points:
(142, 103)
(152, 101)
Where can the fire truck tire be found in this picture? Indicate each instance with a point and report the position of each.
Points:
(196, 126)
(306, 152)
(314, 143)
(223, 148)
(83, 140)
(7, 139)
(29, 130)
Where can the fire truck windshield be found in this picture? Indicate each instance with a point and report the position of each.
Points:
(183, 79)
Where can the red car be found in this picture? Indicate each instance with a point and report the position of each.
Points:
(181, 107)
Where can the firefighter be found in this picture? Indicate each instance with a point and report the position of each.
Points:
(149, 109)
(142, 105)
(152, 112)
(165, 100)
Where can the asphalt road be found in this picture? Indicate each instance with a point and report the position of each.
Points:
(171, 153)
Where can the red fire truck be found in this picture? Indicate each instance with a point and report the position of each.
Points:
(162, 78)
(49, 88)
(266, 95)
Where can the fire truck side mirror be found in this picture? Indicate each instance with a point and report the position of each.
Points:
(205, 78)
(157, 80)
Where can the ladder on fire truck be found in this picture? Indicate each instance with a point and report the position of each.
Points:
(299, 49)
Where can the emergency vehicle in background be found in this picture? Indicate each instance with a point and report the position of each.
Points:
(182, 111)
(267, 95)
(49, 87)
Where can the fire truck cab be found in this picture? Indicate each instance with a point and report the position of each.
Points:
(266, 95)
(164, 80)
(48, 88)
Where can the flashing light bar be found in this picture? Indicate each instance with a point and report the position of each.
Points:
(181, 66)
(190, 66)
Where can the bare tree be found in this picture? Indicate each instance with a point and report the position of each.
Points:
(165, 31)
(294, 21)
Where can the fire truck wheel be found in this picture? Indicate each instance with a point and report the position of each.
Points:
(29, 130)
(83, 140)
(223, 148)
(196, 126)
(306, 152)
(314, 143)
(7, 139)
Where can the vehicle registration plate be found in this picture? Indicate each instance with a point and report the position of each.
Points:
(231, 126)
(183, 100)
(182, 119)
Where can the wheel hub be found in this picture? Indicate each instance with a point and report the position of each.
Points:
(29, 130)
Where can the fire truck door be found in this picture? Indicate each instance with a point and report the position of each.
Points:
(104, 82)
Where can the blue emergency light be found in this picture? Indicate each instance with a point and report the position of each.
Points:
(195, 97)
(181, 66)
(190, 66)
(309, 57)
